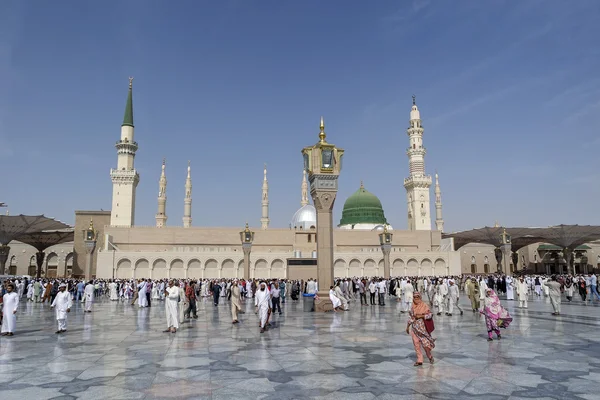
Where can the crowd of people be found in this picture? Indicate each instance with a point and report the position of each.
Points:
(420, 297)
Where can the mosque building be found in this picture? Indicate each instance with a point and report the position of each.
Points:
(181, 250)
(187, 251)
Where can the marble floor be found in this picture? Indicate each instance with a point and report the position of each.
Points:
(120, 352)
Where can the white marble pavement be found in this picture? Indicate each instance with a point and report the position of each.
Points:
(120, 352)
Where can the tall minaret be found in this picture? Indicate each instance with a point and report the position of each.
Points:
(264, 221)
(417, 184)
(304, 200)
(125, 178)
(439, 221)
(187, 202)
(161, 215)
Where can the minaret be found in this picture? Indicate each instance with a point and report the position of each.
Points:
(187, 202)
(439, 221)
(264, 221)
(417, 184)
(161, 215)
(304, 200)
(125, 178)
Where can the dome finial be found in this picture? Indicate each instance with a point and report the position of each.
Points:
(322, 131)
(414, 100)
(362, 186)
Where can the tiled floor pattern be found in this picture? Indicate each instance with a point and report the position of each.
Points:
(120, 352)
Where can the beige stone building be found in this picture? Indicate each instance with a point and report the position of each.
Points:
(164, 251)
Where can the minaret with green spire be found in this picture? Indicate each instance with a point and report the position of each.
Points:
(125, 178)
(128, 118)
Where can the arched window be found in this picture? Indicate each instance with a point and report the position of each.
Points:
(472, 259)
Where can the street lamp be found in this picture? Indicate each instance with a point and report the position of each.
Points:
(90, 236)
(323, 162)
(247, 237)
(385, 240)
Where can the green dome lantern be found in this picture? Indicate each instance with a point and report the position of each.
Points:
(362, 207)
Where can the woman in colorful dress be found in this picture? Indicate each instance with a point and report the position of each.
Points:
(496, 316)
(418, 313)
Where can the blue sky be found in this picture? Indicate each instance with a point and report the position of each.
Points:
(509, 93)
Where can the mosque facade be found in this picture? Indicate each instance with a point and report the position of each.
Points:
(187, 251)
(180, 250)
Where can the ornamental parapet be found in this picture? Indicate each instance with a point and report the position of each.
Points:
(410, 151)
(125, 146)
(418, 181)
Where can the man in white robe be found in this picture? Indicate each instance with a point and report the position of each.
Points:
(172, 307)
(88, 295)
(62, 304)
(340, 295)
(522, 292)
(311, 287)
(510, 293)
(142, 299)
(262, 301)
(407, 296)
(9, 310)
(453, 296)
(482, 288)
(336, 303)
(113, 291)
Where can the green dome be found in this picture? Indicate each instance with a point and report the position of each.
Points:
(362, 208)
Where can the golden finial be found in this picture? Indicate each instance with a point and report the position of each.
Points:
(130, 82)
(189, 163)
(361, 184)
(414, 100)
(322, 132)
(247, 228)
(496, 224)
(385, 228)
(91, 228)
(164, 161)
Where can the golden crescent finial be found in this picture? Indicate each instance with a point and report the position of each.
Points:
(130, 82)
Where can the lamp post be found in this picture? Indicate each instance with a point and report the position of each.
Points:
(385, 240)
(323, 162)
(89, 238)
(247, 237)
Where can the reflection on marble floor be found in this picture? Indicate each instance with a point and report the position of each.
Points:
(120, 352)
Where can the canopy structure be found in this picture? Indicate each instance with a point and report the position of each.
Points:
(42, 240)
(520, 237)
(567, 237)
(14, 226)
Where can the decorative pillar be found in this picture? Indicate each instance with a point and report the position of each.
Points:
(323, 161)
(247, 237)
(515, 260)
(4, 251)
(39, 260)
(568, 255)
(385, 240)
(89, 239)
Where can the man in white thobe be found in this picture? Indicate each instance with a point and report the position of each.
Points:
(407, 296)
(453, 296)
(311, 287)
(522, 292)
(142, 299)
(340, 295)
(62, 304)
(482, 289)
(172, 307)
(113, 291)
(9, 310)
(88, 295)
(510, 293)
(262, 301)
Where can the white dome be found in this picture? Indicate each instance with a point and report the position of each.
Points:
(305, 218)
